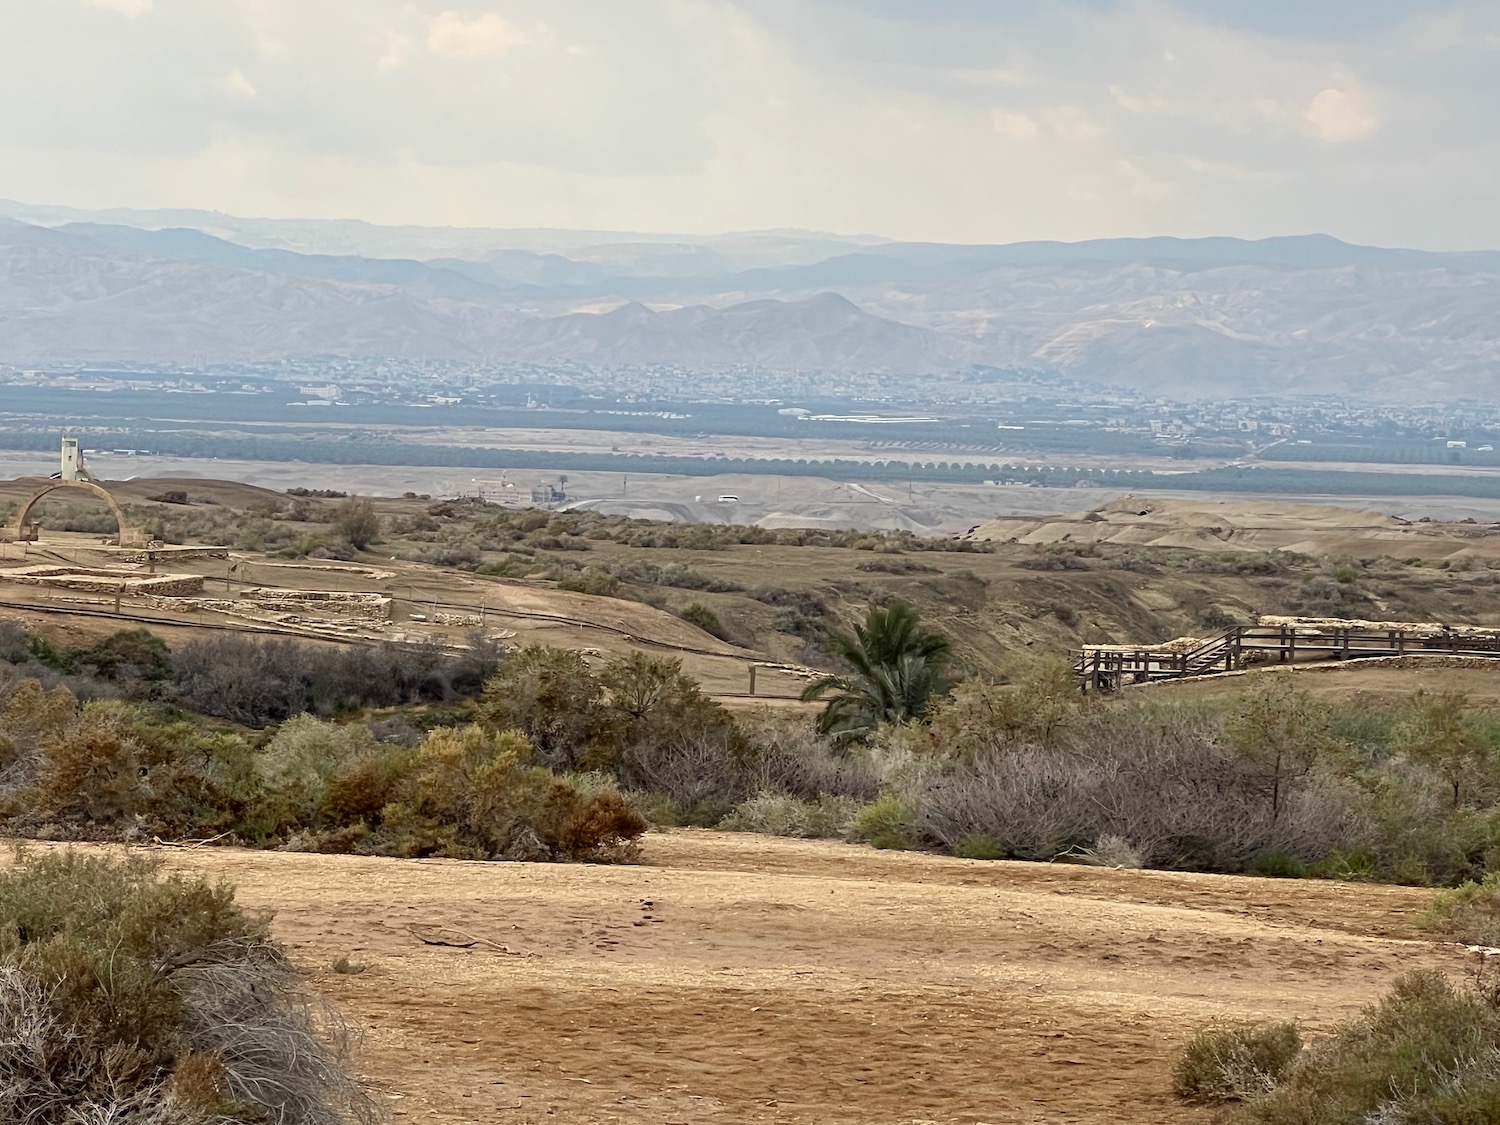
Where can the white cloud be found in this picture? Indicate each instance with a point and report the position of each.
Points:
(1017, 126)
(1073, 123)
(1136, 117)
(397, 48)
(486, 36)
(237, 84)
(1223, 169)
(1338, 116)
(127, 8)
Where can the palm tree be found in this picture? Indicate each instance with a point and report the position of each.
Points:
(895, 668)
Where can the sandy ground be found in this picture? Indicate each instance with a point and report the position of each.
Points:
(745, 979)
(1260, 524)
(1355, 684)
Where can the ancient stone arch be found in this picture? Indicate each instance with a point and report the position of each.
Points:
(24, 532)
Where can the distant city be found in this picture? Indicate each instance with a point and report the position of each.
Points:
(1021, 411)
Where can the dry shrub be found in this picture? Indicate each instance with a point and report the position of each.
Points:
(1164, 779)
(1427, 1052)
(1036, 703)
(1235, 1064)
(556, 701)
(1113, 851)
(357, 791)
(127, 996)
(29, 715)
(1470, 913)
(778, 814)
(108, 772)
(471, 794)
(639, 718)
(260, 682)
(790, 756)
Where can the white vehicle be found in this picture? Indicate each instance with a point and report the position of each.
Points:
(728, 498)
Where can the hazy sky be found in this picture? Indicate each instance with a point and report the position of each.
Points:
(964, 120)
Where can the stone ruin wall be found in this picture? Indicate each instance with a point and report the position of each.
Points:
(108, 581)
(361, 606)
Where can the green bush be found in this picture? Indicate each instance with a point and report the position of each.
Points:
(777, 814)
(356, 521)
(590, 580)
(109, 771)
(1235, 1064)
(469, 794)
(896, 566)
(1278, 865)
(704, 618)
(887, 822)
(1349, 866)
(981, 845)
(1470, 913)
(129, 996)
(1426, 1052)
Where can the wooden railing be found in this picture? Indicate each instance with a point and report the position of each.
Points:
(1109, 667)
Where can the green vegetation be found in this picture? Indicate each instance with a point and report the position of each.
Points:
(111, 770)
(1267, 781)
(1469, 913)
(129, 996)
(249, 681)
(359, 449)
(355, 520)
(1428, 1051)
(895, 669)
(888, 822)
(1236, 1064)
(698, 614)
(540, 753)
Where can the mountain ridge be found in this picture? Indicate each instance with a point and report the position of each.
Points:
(1222, 317)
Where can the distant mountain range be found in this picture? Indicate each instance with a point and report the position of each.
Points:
(1213, 317)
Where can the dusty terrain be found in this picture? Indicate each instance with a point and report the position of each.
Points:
(746, 979)
(1255, 525)
(1376, 684)
(1180, 570)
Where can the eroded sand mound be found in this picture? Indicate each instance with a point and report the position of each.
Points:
(1256, 525)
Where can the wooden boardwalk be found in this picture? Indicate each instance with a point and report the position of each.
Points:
(1276, 641)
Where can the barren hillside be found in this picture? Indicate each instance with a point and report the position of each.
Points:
(587, 580)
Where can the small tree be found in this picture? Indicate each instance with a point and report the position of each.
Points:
(356, 521)
(551, 696)
(674, 740)
(1279, 735)
(1436, 734)
(1038, 700)
(895, 670)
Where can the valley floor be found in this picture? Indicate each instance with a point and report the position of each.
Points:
(736, 978)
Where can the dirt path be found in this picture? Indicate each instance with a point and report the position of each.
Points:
(744, 979)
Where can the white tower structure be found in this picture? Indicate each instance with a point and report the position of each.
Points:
(72, 461)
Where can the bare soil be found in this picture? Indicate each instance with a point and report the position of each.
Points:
(1358, 684)
(736, 978)
(1135, 586)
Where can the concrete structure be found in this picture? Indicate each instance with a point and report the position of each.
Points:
(73, 474)
(72, 461)
(22, 530)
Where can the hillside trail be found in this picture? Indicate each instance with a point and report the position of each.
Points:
(737, 978)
